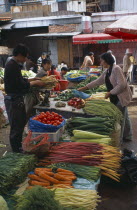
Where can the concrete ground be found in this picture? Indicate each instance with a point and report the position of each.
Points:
(113, 197)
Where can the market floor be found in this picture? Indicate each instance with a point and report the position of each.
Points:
(113, 197)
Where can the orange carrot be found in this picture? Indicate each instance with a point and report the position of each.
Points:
(66, 182)
(43, 169)
(37, 178)
(63, 170)
(45, 172)
(60, 177)
(33, 182)
(65, 173)
(48, 178)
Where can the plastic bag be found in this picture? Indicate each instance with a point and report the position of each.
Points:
(38, 145)
(77, 79)
(37, 126)
(80, 94)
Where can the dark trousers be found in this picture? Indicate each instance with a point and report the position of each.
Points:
(17, 119)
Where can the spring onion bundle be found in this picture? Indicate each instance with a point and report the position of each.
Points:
(101, 125)
(85, 136)
(103, 156)
(13, 170)
(86, 199)
(103, 108)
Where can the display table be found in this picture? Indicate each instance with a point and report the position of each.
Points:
(67, 111)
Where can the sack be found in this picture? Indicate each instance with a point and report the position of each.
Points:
(77, 79)
(37, 126)
(38, 145)
(80, 94)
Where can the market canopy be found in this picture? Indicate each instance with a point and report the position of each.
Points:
(125, 28)
(98, 38)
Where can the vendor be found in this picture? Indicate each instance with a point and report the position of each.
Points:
(63, 72)
(118, 91)
(45, 68)
(88, 61)
(53, 71)
(41, 58)
(15, 87)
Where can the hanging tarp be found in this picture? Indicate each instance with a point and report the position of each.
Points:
(125, 28)
(98, 38)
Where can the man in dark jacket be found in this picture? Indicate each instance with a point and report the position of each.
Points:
(16, 87)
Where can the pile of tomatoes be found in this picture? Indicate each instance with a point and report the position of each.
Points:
(50, 118)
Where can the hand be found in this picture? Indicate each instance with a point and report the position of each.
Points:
(37, 78)
(107, 95)
(82, 88)
(37, 83)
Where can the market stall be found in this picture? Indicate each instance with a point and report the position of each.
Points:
(70, 146)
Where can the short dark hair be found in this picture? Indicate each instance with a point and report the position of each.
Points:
(46, 61)
(108, 58)
(64, 69)
(90, 53)
(44, 53)
(53, 67)
(21, 49)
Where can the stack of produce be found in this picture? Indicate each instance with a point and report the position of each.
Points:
(38, 198)
(64, 96)
(44, 177)
(100, 125)
(104, 109)
(103, 156)
(50, 81)
(85, 82)
(85, 136)
(50, 118)
(90, 173)
(75, 75)
(77, 103)
(28, 74)
(13, 169)
(75, 198)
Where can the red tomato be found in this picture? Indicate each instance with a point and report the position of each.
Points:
(60, 116)
(48, 122)
(61, 120)
(58, 122)
(55, 124)
(56, 118)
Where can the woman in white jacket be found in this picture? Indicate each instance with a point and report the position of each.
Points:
(118, 90)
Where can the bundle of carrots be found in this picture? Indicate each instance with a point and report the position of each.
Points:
(103, 156)
(46, 178)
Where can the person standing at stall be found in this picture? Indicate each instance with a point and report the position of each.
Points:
(127, 64)
(63, 72)
(45, 68)
(88, 61)
(118, 91)
(16, 87)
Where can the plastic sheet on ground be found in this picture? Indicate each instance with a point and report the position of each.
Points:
(85, 184)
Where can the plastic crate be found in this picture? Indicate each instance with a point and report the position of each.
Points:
(53, 137)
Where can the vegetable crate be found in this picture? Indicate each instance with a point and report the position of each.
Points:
(53, 137)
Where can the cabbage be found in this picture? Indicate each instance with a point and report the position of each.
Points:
(3, 204)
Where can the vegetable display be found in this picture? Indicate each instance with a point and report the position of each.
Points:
(44, 177)
(50, 118)
(13, 170)
(77, 103)
(38, 198)
(75, 75)
(28, 74)
(103, 156)
(64, 96)
(75, 198)
(90, 173)
(50, 81)
(104, 109)
(100, 125)
(85, 136)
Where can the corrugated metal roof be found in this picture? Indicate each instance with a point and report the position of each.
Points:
(55, 34)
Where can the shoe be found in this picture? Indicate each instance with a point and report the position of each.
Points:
(127, 140)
